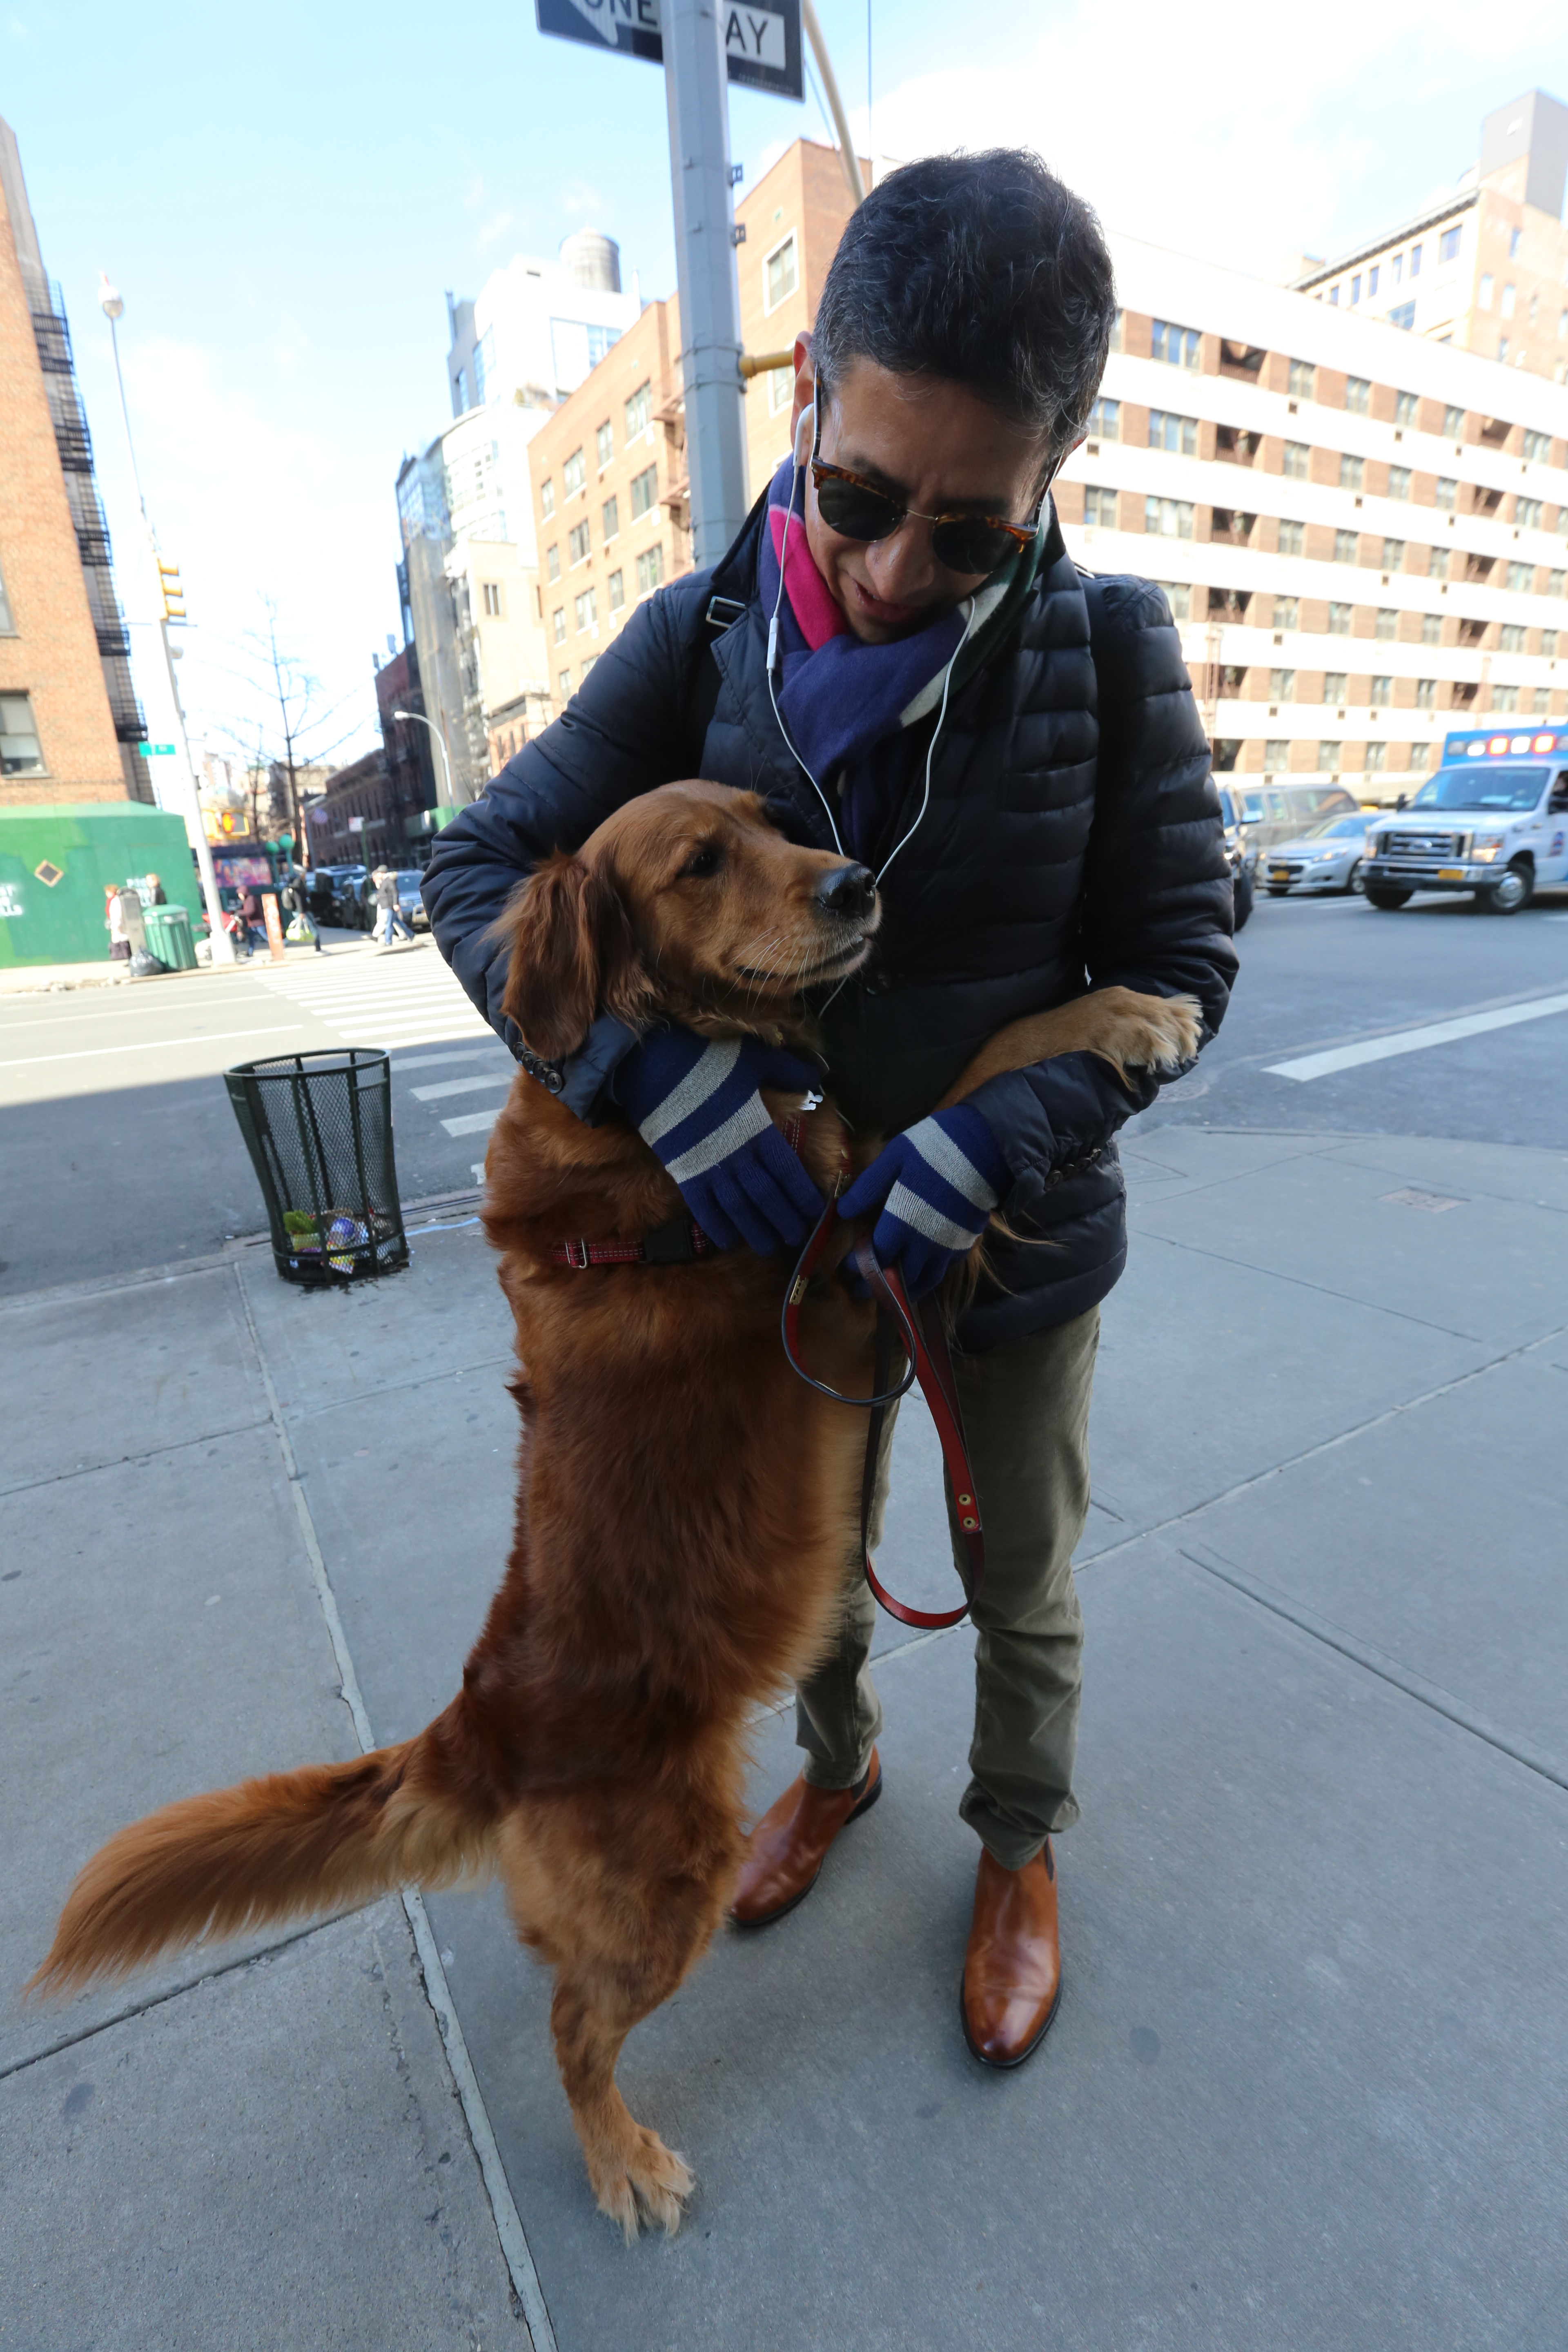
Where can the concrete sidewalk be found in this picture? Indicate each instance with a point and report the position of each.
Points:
(1306, 2085)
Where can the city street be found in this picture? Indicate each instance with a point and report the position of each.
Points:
(1305, 2088)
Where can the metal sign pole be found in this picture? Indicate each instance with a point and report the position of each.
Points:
(694, 79)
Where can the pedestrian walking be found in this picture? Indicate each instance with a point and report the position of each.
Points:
(295, 896)
(253, 915)
(114, 922)
(388, 912)
(159, 896)
(900, 655)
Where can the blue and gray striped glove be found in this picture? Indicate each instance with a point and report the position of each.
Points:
(935, 1185)
(696, 1105)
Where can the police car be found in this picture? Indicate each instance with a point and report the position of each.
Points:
(1493, 820)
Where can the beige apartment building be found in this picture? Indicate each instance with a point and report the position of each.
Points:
(1363, 532)
(610, 496)
(1485, 269)
(70, 724)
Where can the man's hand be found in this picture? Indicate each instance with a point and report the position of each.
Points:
(696, 1105)
(935, 1185)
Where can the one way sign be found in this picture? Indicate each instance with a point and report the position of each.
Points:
(761, 44)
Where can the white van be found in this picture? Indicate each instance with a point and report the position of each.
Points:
(1492, 820)
(1276, 813)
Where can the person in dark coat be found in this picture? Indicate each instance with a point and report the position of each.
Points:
(900, 654)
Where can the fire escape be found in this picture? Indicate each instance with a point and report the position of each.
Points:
(52, 335)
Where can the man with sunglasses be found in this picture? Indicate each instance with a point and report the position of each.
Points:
(900, 654)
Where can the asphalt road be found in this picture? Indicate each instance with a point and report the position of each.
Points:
(119, 1149)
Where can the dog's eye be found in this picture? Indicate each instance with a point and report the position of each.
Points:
(700, 864)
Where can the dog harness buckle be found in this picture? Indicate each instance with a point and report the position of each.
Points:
(577, 1256)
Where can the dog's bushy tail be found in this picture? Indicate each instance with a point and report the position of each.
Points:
(286, 1847)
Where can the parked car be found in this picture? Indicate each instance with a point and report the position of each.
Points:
(331, 894)
(409, 881)
(1329, 856)
(1282, 812)
(1240, 854)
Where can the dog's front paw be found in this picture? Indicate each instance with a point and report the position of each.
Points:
(646, 2186)
(1162, 1034)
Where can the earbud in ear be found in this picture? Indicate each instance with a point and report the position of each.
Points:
(807, 417)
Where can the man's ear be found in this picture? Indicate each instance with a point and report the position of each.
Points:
(571, 950)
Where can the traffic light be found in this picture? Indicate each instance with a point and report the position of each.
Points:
(173, 591)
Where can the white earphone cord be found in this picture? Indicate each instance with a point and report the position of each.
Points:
(773, 698)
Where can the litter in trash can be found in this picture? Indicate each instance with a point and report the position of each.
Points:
(319, 1131)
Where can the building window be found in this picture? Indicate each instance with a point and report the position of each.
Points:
(1371, 281)
(1542, 701)
(1179, 596)
(1352, 472)
(1505, 697)
(605, 444)
(573, 473)
(1431, 628)
(1333, 297)
(599, 341)
(1402, 314)
(586, 609)
(1287, 611)
(490, 593)
(1105, 420)
(1303, 380)
(1438, 564)
(644, 493)
(577, 542)
(1522, 578)
(7, 625)
(1281, 686)
(1555, 582)
(1399, 481)
(1339, 620)
(1168, 518)
(1116, 331)
(565, 682)
(1178, 346)
(1502, 350)
(547, 498)
(1514, 235)
(780, 273)
(1396, 268)
(1510, 639)
(1333, 686)
(1358, 394)
(20, 752)
(610, 514)
(1276, 754)
(1426, 694)
(1355, 290)
(1394, 555)
(1387, 627)
(1510, 296)
(650, 568)
(1453, 428)
(1537, 446)
(1527, 513)
(1484, 291)
(1445, 493)
(640, 410)
(1297, 461)
(780, 389)
(552, 562)
(1381, 692)
(1447, 244)
(1292, 538)
(617, 591)
(1178, 434)
(1549, 644)
(1100, 507)
(558, 625)
(587, 665)
(1375, 759)
(1329, 759)
(1345, 547)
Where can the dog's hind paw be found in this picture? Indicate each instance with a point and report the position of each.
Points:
(648, 2186)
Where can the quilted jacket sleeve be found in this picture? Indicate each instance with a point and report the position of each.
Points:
(1157, 894)
(622, 734)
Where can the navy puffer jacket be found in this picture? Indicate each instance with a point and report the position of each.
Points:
(1072, 840)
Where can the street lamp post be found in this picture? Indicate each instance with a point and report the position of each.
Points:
(441, 742)
(221, 944)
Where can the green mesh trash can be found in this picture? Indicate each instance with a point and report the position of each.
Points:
(169, 937)
(319, 1131)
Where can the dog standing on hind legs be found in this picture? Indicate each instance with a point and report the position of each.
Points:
(685, 1503)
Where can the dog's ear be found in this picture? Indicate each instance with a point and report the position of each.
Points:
(572, 954)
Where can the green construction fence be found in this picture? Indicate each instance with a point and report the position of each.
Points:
(55, 863)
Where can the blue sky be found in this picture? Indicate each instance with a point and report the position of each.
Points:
(282, 196)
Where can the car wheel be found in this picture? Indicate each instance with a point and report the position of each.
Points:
(1378, 894)
(1355, 880)
(1242, 897)
(1509, 892)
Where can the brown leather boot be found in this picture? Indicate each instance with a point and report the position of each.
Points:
(785, 1851)
(1012, 1970)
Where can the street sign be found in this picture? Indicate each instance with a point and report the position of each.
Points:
(156, 751)
(761, 44)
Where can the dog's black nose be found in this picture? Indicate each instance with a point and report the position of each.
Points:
(850, 891)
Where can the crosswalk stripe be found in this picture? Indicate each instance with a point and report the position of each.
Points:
(434, 1061)
(477, 1122)
(460, 1086)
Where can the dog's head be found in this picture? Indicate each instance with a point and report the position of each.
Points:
(686, 904)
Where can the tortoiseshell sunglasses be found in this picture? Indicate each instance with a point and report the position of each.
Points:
(975, 545)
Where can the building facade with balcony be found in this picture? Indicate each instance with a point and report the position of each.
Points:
(70, 720)
(1363, 532)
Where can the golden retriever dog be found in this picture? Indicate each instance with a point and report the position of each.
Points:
(686, 1507)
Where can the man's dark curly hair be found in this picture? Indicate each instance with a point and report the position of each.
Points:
(983, 269)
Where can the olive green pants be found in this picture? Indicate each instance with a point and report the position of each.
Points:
(1025, 1417)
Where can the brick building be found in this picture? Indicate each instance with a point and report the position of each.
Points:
(610, 494)
(69, 723)
(1485, 269)
(794, 218)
